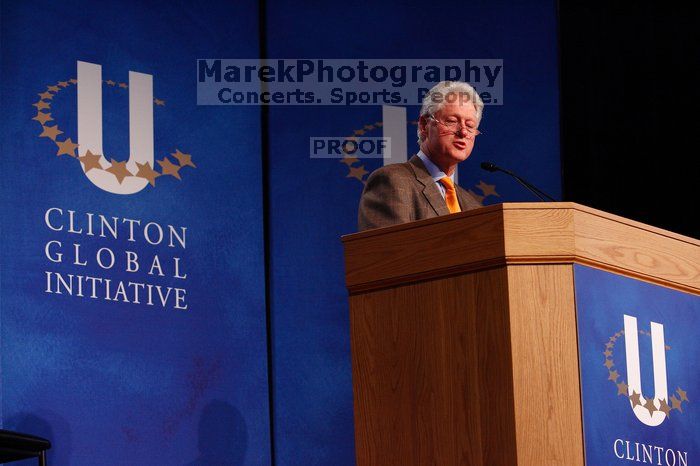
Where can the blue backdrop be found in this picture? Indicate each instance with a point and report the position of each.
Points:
(314, 201)
(113, 382)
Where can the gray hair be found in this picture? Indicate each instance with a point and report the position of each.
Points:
(436, 98)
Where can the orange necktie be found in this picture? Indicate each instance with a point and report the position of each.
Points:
(450, 195)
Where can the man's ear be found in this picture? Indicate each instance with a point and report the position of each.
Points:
(422, 122)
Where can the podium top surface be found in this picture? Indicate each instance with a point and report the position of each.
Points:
(520, 233)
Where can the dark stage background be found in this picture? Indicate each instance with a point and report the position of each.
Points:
(629, 110)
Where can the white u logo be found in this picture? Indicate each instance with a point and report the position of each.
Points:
(140, 126)
(634, 380)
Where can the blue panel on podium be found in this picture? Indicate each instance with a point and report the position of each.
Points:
(639, 357)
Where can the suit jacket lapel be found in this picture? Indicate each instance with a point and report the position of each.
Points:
(430, 190)
(466, 200)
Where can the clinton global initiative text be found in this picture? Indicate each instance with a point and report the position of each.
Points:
(146, 257)
(110, 290)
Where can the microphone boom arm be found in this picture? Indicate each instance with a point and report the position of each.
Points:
(491, 167)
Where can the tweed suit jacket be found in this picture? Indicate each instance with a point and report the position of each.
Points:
(404, 192)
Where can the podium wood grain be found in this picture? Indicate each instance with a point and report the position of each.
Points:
(429, 373)
(544, 349)
(436, 383)
(525, 233)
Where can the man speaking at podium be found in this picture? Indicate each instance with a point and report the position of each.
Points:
(424, 186)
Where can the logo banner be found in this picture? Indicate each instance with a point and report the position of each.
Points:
(132, 311)
(639, 356)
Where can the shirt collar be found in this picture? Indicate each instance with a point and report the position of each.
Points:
(433, 169)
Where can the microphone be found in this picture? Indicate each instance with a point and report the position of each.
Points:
(492, 167)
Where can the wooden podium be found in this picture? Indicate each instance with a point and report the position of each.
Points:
(463, 329)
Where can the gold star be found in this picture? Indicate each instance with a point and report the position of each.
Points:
(607, 353)
(41, 105)
(609, 345)
(146, 172)
(66, 147)
(369, 127)
(359, 132)
(63, 83)
(46, 95)
(676, 403)
(159, 102)
(649, 405)
(348, 160)
(42, 117)
(379, 124)
(613, 376)
(608, 363)
(668, 347)
(664, 407)
(622, 388)
(169, 168)
(613, 338)
(183, 159)
(73, 80)
(53, 88)
(123, 85)
(357, 172)
(487, 189)
(634, 398)
(119, 170)
(90, 161)
(683, 394)
(50, 132)
(110, 82)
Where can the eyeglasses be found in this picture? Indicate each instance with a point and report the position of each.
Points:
(454, 125)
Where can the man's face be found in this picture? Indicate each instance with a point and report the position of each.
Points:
(447, 146)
